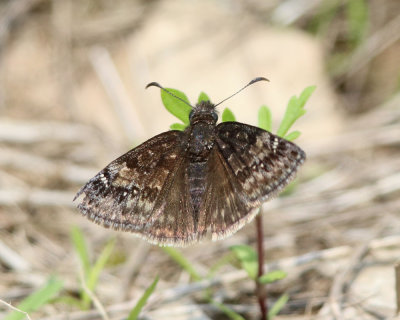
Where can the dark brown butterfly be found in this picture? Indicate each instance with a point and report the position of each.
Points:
(178, 186)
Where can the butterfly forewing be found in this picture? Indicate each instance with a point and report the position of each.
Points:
(262, 162)
(124, 194)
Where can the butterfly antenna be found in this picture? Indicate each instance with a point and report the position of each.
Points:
(156, 84)
(249, 84)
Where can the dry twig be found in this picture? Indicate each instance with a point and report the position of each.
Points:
(16, 309)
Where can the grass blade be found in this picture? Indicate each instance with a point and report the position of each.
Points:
(133, 315)
(183, 262)
(227, 311)
(94, 273)
(37, 299)
(81, 249)
(278, 305)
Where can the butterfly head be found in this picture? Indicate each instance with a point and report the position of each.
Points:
(203, 111)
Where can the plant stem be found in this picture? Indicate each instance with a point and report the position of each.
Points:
(260, 288)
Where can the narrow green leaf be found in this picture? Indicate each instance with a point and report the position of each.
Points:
(228, 311)
(183, 262)
(294, 110)
(94, 273)
(265, 118)
(133, 315)
(227, 115)
(203, 97)
(272, 276)
(175, 106)
(293, 135)
(37, 299)
(74, 302)
(305, 95)
(81, 249)
(178, 126)
(278, 305)
(248, 259)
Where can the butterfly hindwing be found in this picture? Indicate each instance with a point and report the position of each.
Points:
(225, 207)
(172, 220)
(248, 166)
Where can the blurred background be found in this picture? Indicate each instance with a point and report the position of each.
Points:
(72, 98)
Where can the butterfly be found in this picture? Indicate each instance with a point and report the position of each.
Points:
(179, 186)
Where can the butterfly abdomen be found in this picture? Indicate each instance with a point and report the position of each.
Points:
(197, 183)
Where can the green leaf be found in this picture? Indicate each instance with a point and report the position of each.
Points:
(228, 115)
(248, 259)
(293, 135)
(37, 299)
(175, 106)
(203, 97)
(133, 315)
(178, 126)
(278, 305)
(304, 96)
(228, 311)
(294, 110)
(272, 276)
(183, 262)
(265, 118)
(93, 276)
(81, 249)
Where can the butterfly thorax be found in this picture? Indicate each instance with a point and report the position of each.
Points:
(201, 132)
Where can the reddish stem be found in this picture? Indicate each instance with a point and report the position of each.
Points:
(260, 288)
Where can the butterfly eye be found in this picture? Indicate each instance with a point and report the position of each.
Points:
(215, 116)
(190, 115)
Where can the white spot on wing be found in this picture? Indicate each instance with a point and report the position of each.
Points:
(275, 144)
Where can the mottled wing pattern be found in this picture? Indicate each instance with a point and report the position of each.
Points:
(247, 167)
(172, 221)
(131, 193)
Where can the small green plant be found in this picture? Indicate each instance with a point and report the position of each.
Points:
(37, 299)
(185, 264)
(250, 261)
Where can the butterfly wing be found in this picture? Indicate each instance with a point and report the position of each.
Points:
(143, 192)
(247, 166)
